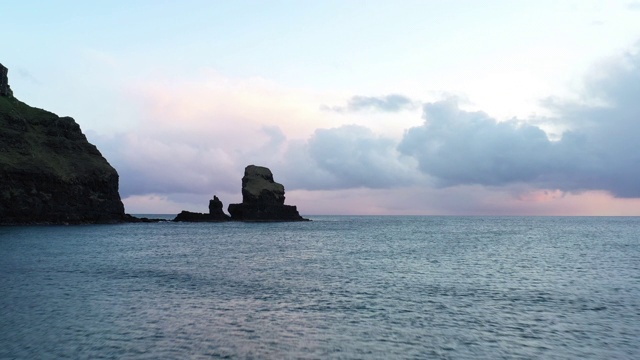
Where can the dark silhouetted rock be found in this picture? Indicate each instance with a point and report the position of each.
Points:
(5, 90)
(132, 219)
(215, 213)
(49, 172)
(262, 198)
(215, 207)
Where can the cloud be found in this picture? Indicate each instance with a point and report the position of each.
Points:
(458, 147)
(26, 75)
(194, 140)
(600, 149)
(598, 152)
(349, 156)
(157, 165)
(466, 199)
(633, 5)
(388, 103)
(196, 136)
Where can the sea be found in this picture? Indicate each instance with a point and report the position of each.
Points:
(338, 287)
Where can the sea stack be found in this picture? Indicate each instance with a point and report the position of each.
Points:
(49, 172)
(262, 198)
(215, 213)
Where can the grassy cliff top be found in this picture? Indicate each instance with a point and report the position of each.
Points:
(33, 140)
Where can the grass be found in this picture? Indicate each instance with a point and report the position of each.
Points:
(37, 141)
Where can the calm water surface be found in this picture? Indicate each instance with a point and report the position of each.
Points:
(337, 287)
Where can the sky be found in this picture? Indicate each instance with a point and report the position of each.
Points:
(367, 108)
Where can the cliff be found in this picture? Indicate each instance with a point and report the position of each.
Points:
(49, 172)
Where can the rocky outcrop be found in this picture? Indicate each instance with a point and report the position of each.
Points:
(215, 213)
(262, 198)
(215, 208)
(5, 89)
(49, 172)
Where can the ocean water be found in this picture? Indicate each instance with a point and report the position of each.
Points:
(336, 287)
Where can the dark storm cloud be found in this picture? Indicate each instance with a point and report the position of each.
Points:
(599, 152)
(389, 103)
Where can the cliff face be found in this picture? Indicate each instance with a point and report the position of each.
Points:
(49, 172)
(5, 90)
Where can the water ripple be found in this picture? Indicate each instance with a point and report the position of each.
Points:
(337, 287)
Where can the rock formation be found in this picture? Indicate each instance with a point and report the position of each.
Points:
(215, 213)
(262, 198)
(5, 90)
(49, 172)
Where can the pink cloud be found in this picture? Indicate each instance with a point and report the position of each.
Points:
(463, 200)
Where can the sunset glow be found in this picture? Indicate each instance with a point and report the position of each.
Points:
(425, 108)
